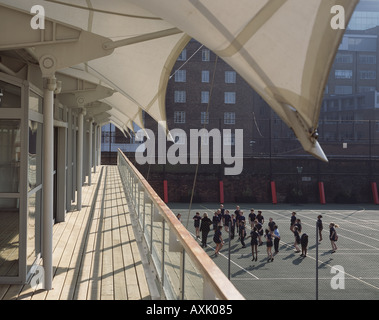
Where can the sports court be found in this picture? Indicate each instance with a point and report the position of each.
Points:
(291, 276)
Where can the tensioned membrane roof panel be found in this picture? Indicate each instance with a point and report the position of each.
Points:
(283, 48)
(138, 71)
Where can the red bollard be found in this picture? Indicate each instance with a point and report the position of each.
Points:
(375, 192)
(273, 192)
(165, 191)
(322, 192)
(221, 192)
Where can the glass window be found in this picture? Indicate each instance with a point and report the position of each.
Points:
(343, 74)
(180, 76)
(205, 55)
(205, 76)
(9, 231)
(367, 75)
(362, 89)
(35, 155)
(35, 102)
(204, 96)
(229, 139)
(356, 43)
(183, 55)
(180, 96)
(343, 90)
(34, 227)
(230, 77)
(10, 95)
(230, 97)
(179, 117)
(204, 118)
(344, 58)
(229, 117)
(367, 59)
(10, 149)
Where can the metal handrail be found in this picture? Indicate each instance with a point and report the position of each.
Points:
(213, 276)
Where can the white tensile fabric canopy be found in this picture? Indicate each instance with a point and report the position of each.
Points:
(283, 48)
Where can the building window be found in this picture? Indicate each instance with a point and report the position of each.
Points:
(229, 139)
(204, 118)
(363, 89)
(230, 77)
(179, 117)
(180, 76)
(367, 75)
(204, 96)
(344, 58)
(343, 90)
(180, 97)
(367, 59)
(183, 55)
(205, 76)
(343, 74)
(205, 55)
(229, 118)
(230, 97)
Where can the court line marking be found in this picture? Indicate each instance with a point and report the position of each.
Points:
(339, 235)
(236, 264)
(320, 278)
(308, 256)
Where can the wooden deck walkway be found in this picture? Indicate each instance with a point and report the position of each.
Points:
(96, 255)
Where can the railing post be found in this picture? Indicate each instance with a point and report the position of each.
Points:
(215, 284)
(163, 256)
(182, 274)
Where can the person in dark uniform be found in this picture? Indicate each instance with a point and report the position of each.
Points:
(333, 236)
(276, 238)
(252, 217)
(271, 224)
(237, 215)
(216, 221)
(297, 239)
(233, 223)
(254, 243)
(298, 225)
(196, 223)
(227, 219)
(259, 227)
(269, 244)
(304, 244)
(243, 232)
(260, 218)
(205, 227)
(293, 220)
(319, 227)
(217, 238)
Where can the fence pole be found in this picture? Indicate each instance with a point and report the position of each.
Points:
(230, 226)
(316, 261)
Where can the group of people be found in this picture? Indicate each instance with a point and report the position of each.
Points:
(236, 222)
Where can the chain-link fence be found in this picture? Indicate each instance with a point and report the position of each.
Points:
(348, 271)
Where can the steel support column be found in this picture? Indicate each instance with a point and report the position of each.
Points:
(79, 159)
(48, 181)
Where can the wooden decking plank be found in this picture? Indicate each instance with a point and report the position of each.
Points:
(95, 253)
(84, 277)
